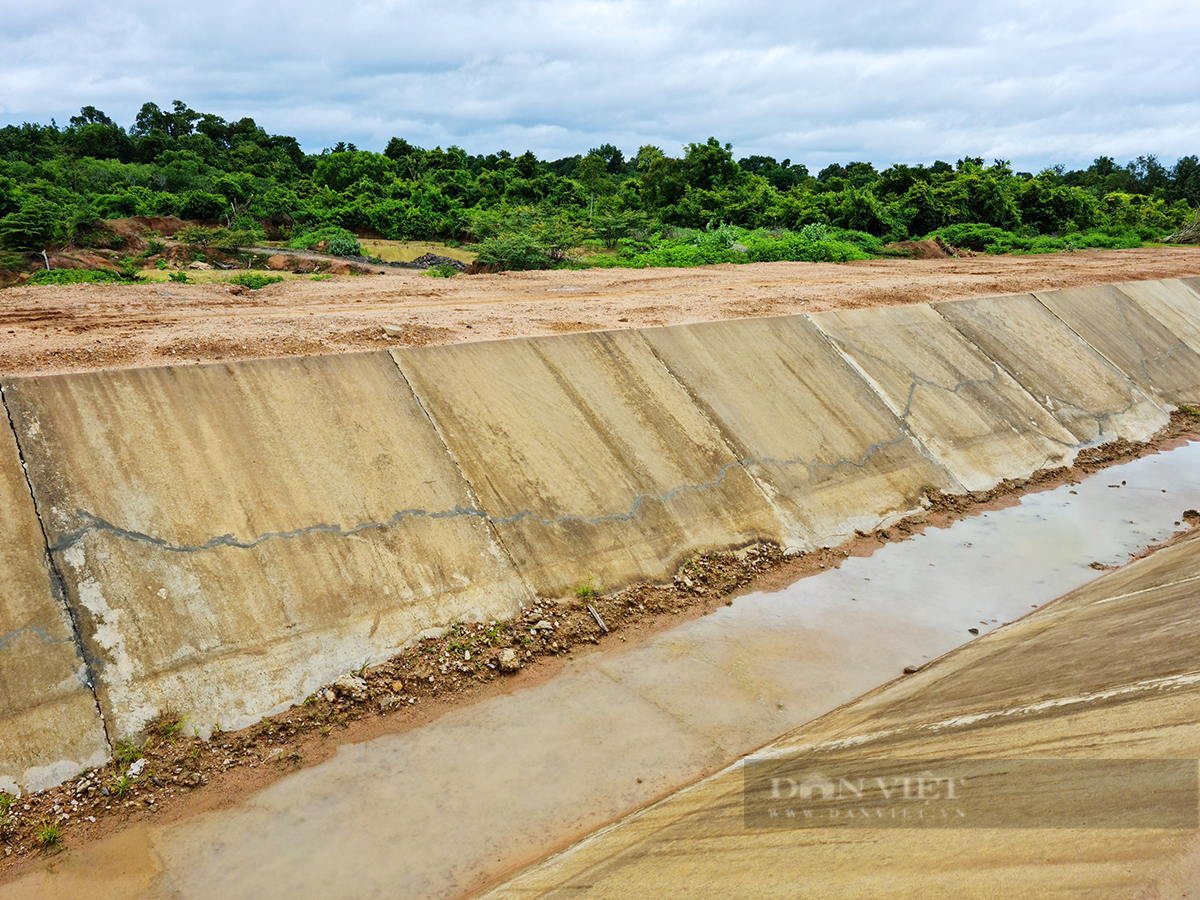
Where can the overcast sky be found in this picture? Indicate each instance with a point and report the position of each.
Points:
(1033, 82)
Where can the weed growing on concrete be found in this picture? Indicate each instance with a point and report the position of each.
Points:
(48, 834)
(6, 802)
(586, 589)
(1188, 410)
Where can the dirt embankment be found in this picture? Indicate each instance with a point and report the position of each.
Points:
(81, 327)
(173, 774)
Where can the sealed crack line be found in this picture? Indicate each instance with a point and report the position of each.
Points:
(37, 631)
(94, 523)
(916, 381)
(1132, 390)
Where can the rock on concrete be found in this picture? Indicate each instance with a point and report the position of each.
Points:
(49, 725)
(1157, 360)
(234, 536)
(1092, 399)
(978, 422)
(589, 457)
(826, 449)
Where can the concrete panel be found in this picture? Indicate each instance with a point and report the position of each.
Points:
(1192, 282)
(235, 535)
(825, 447)
(1171, 302)
(49, 725)
(1090, 397)
(979, 423)
(1158, 361)
(588, 456)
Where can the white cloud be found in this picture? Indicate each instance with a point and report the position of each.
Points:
(899, 81)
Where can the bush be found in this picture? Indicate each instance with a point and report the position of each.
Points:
(345, 245)
(515, 252)
(443, 271)
(74, 276)
(254, 281)
(339, 241)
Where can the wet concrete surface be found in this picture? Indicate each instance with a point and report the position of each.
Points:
(442, 810)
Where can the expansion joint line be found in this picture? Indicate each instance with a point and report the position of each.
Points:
(58, 584)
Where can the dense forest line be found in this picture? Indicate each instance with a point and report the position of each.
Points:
(652, 208)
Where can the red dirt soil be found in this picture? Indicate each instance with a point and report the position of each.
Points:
(97, 326)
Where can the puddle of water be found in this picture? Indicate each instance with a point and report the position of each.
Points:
(436, 812)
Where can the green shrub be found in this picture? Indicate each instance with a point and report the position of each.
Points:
(345, 245)
(254, 281)
(515, 252)
(128, 270)
(443, 271)
(74, 276)
(180, 277)
(338, 241)
(162, 264)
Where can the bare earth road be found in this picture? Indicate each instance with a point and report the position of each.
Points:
(80, 327)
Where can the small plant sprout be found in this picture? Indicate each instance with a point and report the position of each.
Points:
(6, 803)
(121, 786)
(168, 727)
(125, 754)
(48, 834)
(586, 589)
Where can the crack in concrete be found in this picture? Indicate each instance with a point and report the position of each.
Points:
(38, 631)
(1132, 391)
(916, 380)
(93, 523)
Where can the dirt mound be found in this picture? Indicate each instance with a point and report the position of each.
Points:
(79, 259)
(136, 226)
(478, 268)
(934, 249)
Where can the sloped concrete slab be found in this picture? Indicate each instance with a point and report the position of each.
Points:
(233, 536)
(1145, 349)
(50, 727)
(1171, 302)
(825, 447)
(588, 457)
(1092, 399)
(978, 422)
(1192, 282)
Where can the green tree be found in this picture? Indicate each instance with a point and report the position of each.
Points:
(33, 226)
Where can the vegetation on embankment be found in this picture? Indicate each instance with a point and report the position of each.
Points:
(520, 212)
